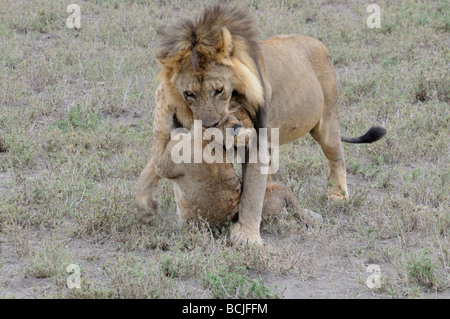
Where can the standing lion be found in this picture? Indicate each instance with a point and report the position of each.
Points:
(285, 82)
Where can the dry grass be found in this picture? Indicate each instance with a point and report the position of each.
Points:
(75, 131)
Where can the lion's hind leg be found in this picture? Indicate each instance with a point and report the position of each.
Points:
(279, 196)
(327, 133)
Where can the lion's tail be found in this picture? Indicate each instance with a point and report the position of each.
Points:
(372, 135)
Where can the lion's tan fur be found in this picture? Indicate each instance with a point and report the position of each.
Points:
(288, 78)
(222, 35)
(212, 191)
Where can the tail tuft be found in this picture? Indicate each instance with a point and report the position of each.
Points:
(372, 135)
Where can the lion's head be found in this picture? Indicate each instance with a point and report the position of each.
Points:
(207, 61)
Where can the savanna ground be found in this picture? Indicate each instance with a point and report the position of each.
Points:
(76, 130)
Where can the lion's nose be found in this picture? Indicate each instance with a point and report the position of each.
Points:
(208, 123)
(236, 129)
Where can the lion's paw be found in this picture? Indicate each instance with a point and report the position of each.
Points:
(241, 236)
(146, 212)
(338, 197)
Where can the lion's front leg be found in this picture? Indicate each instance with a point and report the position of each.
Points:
(147, 193)
(147, 189)
(247, 229)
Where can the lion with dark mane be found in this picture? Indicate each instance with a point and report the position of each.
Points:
(285, 82)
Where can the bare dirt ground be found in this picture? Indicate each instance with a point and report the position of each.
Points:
(76, 112)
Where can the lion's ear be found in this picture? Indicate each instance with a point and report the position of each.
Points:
(227, 43)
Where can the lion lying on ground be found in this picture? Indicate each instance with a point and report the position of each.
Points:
(212, 191)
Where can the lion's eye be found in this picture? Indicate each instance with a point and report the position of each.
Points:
(218, 92)
(189, 95)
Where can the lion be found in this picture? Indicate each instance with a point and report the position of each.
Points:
(212, 191)
(285, 82)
